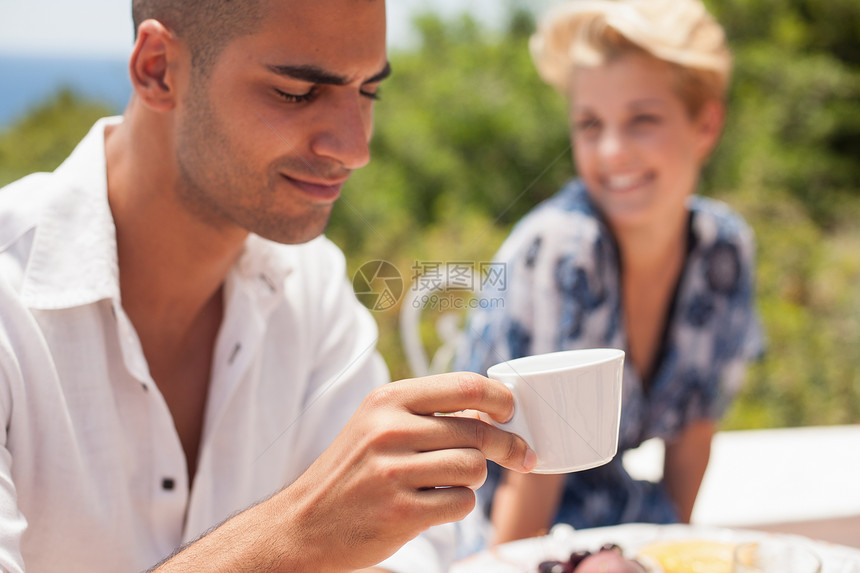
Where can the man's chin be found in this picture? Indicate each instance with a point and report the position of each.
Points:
(294, 232)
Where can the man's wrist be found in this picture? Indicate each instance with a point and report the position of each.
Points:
(254, 540)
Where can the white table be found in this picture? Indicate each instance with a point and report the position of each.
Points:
(770, 476)
(524, 556)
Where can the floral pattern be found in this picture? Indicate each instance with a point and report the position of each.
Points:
(563, 292)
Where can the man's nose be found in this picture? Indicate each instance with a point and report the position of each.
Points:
(345, 132)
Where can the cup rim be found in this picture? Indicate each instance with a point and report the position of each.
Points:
(601, 356)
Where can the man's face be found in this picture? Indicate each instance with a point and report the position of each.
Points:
(266, 141)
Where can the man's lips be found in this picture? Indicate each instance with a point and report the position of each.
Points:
(319, 189)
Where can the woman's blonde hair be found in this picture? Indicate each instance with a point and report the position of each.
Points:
(585, 33)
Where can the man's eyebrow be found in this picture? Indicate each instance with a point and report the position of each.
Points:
(310, 74)
(317, 75)
(386, 71)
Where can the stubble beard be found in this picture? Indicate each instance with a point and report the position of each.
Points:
(221, 191)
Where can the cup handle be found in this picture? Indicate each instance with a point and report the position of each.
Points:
(517, 424)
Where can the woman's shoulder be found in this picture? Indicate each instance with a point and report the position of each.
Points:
(571, 199)
(566, 222)
(714, 221)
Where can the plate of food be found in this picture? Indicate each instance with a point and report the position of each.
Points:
(640, 548)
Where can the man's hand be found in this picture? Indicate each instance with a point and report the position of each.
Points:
(396, 469)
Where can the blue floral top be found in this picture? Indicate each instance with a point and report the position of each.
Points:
(562, 291)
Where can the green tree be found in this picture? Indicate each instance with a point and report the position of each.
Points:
(468, 139)
(43, 138)
(795, 122)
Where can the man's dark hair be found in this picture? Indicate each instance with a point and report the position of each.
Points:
(206, 26)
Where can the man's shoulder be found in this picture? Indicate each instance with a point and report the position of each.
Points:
(21, 205)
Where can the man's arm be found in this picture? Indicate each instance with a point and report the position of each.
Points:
(12, 523)
(395, 470)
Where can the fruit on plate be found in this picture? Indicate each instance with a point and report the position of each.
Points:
(691, 555)
(608, 559)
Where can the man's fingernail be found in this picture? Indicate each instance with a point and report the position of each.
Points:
(530, 461)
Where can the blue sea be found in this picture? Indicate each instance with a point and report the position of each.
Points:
(27, 81)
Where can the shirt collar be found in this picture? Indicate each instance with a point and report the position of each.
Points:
(73, 260)
(74, 257)
(264, 263)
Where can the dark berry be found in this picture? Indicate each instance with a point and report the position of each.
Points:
(554, 567)
(578, 557)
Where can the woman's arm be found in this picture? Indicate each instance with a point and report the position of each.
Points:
(685, 463)
(524, 505)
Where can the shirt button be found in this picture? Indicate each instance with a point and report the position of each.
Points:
(167, 484)
(234, 354)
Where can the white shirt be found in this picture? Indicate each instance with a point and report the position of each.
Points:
(92, 473)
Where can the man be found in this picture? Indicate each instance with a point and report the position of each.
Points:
(179, 348)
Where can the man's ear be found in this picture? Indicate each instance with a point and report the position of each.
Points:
(153, 75)
(710, 124)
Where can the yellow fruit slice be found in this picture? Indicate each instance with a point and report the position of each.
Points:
(691, 556)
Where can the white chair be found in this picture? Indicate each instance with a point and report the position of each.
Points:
(449, 325)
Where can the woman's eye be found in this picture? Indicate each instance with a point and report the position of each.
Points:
(646, 120)
(296, 98)
(587, 125)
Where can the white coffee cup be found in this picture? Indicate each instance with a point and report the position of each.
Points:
(567, 406)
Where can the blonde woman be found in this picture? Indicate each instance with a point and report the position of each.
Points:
(626, 256)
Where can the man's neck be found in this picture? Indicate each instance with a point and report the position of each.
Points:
(172, 268)
(170, 263)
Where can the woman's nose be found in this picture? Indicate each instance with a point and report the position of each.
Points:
(611, 146)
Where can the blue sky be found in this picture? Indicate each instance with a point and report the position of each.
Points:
(103, 27)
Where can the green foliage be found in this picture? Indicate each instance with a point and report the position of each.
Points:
(465, 123)
(789, 163)
(810, 304)
(795, 119)
(42, 139)
(468, 139)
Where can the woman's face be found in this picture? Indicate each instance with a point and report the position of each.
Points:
(634, 142)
